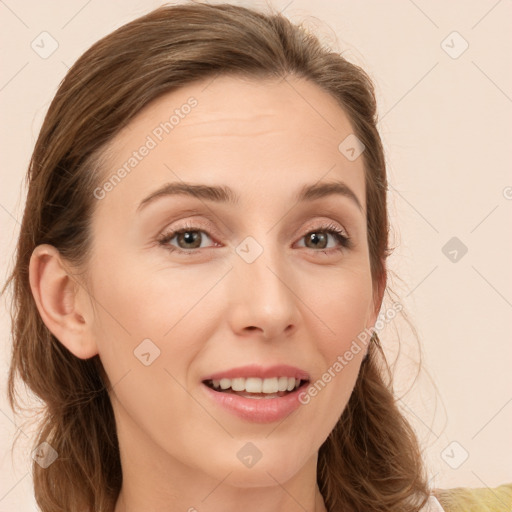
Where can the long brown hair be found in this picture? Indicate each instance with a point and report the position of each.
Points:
(371, 460)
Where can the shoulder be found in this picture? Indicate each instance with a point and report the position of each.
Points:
(465, 499)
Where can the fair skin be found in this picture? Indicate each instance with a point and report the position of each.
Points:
(298, 303)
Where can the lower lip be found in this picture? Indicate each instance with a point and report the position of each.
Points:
(258, 410)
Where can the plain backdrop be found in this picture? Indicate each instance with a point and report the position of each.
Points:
(444, 85)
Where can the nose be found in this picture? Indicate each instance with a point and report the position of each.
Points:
(262, 296)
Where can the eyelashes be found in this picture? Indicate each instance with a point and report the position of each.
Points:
(344, 241)
(338, 234)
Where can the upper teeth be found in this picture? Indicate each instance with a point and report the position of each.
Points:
(257, 385)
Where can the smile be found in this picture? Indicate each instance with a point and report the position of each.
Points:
(255, 387)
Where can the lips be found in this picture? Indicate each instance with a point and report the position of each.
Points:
(257, 407)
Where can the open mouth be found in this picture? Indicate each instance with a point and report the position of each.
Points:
(257, 388)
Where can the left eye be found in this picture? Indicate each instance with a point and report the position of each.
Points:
(319, 236)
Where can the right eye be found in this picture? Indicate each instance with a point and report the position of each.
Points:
(188, 235)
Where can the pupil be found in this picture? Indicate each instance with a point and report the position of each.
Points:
(316, 237)
(190, 236)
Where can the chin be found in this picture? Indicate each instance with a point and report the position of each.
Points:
(279, 467)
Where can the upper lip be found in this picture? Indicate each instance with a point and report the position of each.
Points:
(263, 372)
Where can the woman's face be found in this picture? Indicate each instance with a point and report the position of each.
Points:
(249, 284)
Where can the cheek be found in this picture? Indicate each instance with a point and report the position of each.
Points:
(341, 339)
(148, 333)
(152, 310)
(341, 302)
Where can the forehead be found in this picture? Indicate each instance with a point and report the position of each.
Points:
(252, 134)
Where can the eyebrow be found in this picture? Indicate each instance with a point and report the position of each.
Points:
(224, 194)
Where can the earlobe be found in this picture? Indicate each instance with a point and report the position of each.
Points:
(57, 296)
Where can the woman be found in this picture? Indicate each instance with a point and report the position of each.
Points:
(199, 275)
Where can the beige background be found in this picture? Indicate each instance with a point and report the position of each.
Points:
(446, 124)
